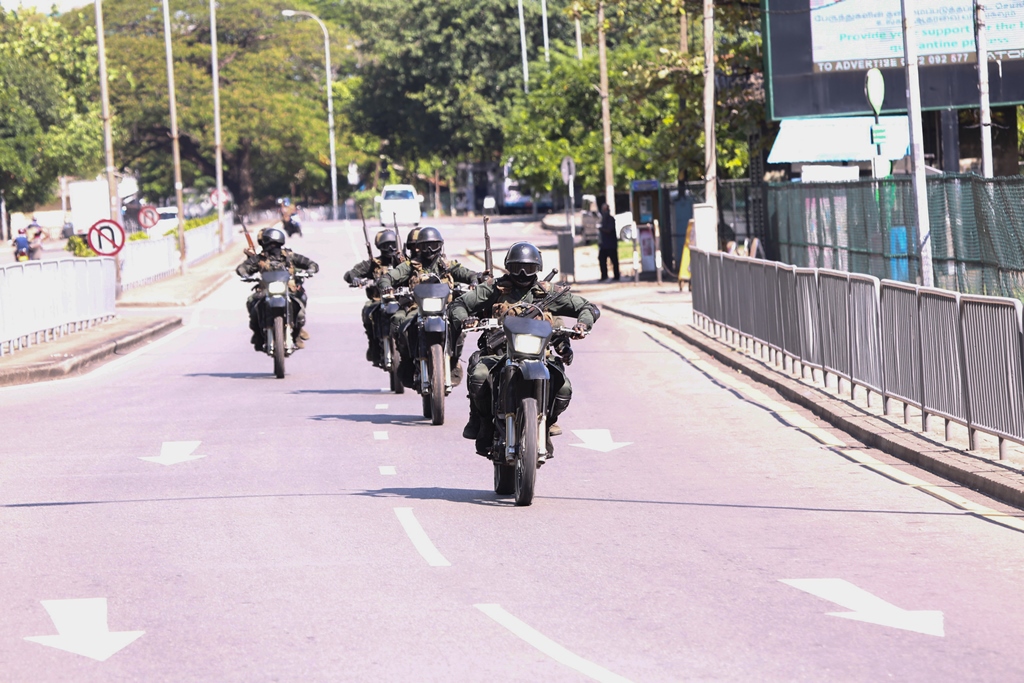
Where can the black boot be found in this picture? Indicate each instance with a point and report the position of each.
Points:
(557, 409)
(472, 427)
(485, 438)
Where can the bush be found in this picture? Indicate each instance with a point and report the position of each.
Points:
(140, 235)
(78, 246)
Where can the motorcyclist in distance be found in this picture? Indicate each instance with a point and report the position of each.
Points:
(513, 294)
(386, 242)
(273, 256)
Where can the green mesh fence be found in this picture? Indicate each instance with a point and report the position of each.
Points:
(977, 228)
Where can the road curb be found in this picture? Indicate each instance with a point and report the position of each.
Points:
(980, 474)
(41, 372)
(179, 303)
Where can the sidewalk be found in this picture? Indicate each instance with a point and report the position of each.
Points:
(77, 352)
(980, 469)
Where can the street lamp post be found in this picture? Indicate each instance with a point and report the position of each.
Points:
(219, 151)
(522, 46)
(175, 145)
(330, 103)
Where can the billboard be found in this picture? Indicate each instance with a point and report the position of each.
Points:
(819, 50)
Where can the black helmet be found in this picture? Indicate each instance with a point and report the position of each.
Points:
(523, 262)
(272, 236)
(429, 243)
(385, 237)
(411, 239)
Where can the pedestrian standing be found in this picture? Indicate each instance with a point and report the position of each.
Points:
(608, 243)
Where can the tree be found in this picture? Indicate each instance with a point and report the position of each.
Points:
(49, 120)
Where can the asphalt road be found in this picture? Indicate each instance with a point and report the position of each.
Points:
(330, 533)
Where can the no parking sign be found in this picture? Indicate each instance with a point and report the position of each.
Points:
(148, 217)
(106, 237)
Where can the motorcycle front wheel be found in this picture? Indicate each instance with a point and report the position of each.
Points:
(437, 361)
(504, 479)
(279, 347)
(396, 382)
(526, 444)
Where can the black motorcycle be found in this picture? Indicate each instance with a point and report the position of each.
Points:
(521, 394)
(387, 348)
(292, 227)
(276, 310)
(431, 348)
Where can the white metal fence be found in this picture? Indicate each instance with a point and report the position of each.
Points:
(146, 261)
(953, 356)
(42, 300)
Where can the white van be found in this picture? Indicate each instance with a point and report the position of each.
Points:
(398, 204)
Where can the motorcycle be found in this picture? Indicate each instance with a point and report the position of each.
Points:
(387, 349)
(21, 255)
(292, 227)
(521, 399)
(274, 313)
(431, 348)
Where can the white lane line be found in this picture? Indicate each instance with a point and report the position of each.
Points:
(381, 406)
(387, 469)
(420, 539)
(385, 390)
(548, 646)
(380, 436)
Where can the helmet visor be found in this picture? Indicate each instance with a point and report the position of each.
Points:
(523, 270)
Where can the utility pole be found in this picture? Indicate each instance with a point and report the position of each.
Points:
(606, 117)
(175, 146)
(218, 148)
(917, 141)
(108, 144)
(579, 40)
(522, 47)
(710, 152)
(986, 107)
(544, 22)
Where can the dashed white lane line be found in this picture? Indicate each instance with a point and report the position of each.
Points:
(548, 646)
(381, 406)
(380, 436)
(420, 539)
(385, 390)
(388, 469)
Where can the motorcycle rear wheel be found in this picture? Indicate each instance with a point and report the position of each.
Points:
(437, 361)
(279, 347)
(396, 382)
(526, 445)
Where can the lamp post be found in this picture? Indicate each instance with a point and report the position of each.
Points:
(330, 103)
(522, 46)
(219, 151)
(175, 145)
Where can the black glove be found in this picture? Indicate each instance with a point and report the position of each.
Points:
(564, 349)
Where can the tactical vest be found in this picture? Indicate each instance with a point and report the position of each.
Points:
(283, 261)
(508, 304)
(419, 273)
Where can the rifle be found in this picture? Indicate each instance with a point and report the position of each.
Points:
(248, 237)
(366, 234)
(488, 256)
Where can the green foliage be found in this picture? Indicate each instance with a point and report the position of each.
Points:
(78, 246)
(138, 236)
(49, 118)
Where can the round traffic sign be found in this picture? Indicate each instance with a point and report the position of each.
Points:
(148, 217)
(106, 237)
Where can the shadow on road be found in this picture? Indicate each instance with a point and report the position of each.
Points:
(341, 391)
(376, 418)
(234, 375)
(472, 496)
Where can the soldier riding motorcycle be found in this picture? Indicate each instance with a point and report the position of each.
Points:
(277, 306)
(429, 354)
(381, 349)
(517, 382)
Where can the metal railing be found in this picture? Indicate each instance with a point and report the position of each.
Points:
(147, 261)
(43, 300)
(953, 356)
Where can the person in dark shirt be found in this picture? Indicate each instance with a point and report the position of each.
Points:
(609, 244)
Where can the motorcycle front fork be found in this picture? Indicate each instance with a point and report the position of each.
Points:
(510, 436)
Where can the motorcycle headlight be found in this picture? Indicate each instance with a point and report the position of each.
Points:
(527, 344)
(277, 288)
(433, 304)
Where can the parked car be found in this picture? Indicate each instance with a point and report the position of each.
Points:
(398, 203)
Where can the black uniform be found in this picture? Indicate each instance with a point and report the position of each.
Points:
(277, 258)
(371, 269)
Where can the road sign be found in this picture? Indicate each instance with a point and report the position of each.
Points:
(215, 197)
(149, 217)
(877, 134)
(568, 170)
(106, 237)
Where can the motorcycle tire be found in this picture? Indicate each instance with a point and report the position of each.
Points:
(426, 406)
(279, 347)
(526, 462)
(504, 479)
(437, 361)
(396, 381)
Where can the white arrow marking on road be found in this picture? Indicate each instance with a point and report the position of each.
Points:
(869, 608)
(420, 539)
(388, 469)
(597, 440)
(380, 436)
(548, 646)
(381, 406)
(82, 625)
(173, 452)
